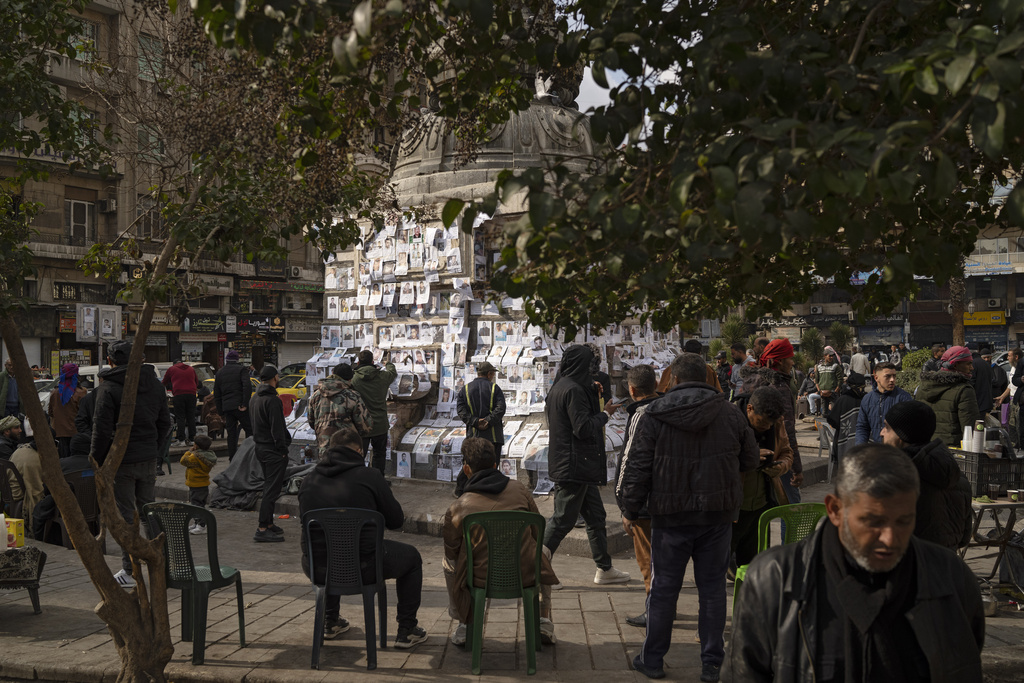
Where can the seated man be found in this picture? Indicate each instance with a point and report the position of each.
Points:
(46, 509)
(26, 460)
(342, 480)
(861, 598)
(487, 490)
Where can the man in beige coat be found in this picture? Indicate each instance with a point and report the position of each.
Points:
(488, 490)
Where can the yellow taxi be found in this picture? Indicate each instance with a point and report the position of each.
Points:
(295, 385)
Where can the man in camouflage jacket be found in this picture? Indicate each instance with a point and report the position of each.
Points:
(335, 405)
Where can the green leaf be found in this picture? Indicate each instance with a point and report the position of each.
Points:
(945, 177)
(680, 190)
(482, 12)
(1013, 209)
(958, 71)
(451, 211)
(542, 205)
(925, 80)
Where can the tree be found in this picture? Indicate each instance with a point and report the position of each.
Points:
(734, 330)
(213, 191)
(812, 344)
(841, 336)
(755, 150)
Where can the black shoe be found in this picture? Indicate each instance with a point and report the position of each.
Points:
(267, 536)
(647, 671)
(275, 529)
(709, 673)
(640, 621)
(335, 627)
(408, 637)
(160, 473)
(580, 523)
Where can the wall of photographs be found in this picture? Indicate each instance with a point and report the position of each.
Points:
(419, 294)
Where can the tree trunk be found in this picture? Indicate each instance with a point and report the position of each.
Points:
(957, 296)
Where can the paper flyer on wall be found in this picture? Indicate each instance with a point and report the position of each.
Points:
(403, 465)
(508, 467)
(544, 485)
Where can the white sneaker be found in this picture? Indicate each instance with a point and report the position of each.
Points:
(611, 575)
(197, 529)
(547, 631)
(124, 579)
(458, 636)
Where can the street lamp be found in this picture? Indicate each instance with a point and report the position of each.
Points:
(970, 306)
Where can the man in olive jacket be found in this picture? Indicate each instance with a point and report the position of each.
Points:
(372, 384)
(576, 459)
(950, 394)
(861, 598)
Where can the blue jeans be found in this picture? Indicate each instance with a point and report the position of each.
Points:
(671, 550)
(792, 492)
(812, 402)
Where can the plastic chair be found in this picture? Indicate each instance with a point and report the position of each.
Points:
(10, 507)
(503, 532)
(799, 520)
(825, 435)
(342, 530)
(844, 440)
(194, 581)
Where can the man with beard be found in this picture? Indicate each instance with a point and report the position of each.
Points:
(861, 598)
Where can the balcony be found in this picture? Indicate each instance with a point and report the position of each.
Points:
(995, 264)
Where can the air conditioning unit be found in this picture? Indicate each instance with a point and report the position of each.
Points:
(817, 310)
(995, 303)
(1020, 305)
(107, 206)
(295, 271)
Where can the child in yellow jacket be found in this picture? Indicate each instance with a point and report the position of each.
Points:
(197, 463)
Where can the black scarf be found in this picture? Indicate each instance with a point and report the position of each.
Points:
(879, 645)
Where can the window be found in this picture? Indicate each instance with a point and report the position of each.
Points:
(992, 246)
(151, 58)
(151, 145)
(80, 222)
(65, 291)
(86, 42)
(86, 122)
(149, 224)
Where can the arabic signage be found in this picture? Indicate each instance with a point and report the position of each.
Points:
(267, 285)
(825, 318)
(1001, 266)
(274, 269)
(985, 318)
(163, 321)
(302, 329)
(261, 325)
(198, 337)
(203, 323)
(217, 284)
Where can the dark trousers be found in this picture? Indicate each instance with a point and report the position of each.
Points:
(380, 447)
(744, 535)
(403, 563)
(232, 420)
(274, 466)
(571, 501)
(64, 446)
(185, 416)
(671, 550)
(134, 487)
(198, 496)
(460, 481)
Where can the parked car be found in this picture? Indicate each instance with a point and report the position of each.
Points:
(293, 384)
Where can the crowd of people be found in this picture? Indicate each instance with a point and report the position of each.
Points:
(708, 449)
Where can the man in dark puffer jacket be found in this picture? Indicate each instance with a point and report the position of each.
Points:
(944, 505)
(684, 462)
(950, 394)
(135, 481)
(576, 459)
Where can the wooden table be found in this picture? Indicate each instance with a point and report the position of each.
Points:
(1003, 531)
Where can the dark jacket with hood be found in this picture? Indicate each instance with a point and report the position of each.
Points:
(755, 376)
(268, 429)
(944, 506)
(86, 412)
(685, 459)
(372, 384)
(342, 480)
(575, 423)
(481, 399)
(151, 424)
(951, 396)
(981, 379)
(232, 387)
(634, 412)
(849, 399)
(777, 628)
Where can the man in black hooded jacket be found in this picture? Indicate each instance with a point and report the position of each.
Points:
(576, 459)
(944, 504)
(342, 480)
(271, 440)
(135, 481)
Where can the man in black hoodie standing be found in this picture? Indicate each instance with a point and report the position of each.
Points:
(271, 439)
(231, 392)
(135, 481)
(576, 459)
(342, 480)
(684, 462)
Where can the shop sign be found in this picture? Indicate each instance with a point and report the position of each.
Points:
(203, 323)
(276, 324)
(153, 339)
(880, 335)
(198, 337)
(67, 324)
(302, 329)
(266, 285)
(985, 318)
(230, 324)
(217, 284)
(275, 269)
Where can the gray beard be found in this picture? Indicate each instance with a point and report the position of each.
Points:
(850, 546)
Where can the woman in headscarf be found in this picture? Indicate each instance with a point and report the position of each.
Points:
(63, 408)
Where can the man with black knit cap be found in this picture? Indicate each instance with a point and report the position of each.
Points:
(272, 439)
(944, 505)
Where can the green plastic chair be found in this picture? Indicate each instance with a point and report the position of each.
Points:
(194, 581)
(503, 531)
(799, 520)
